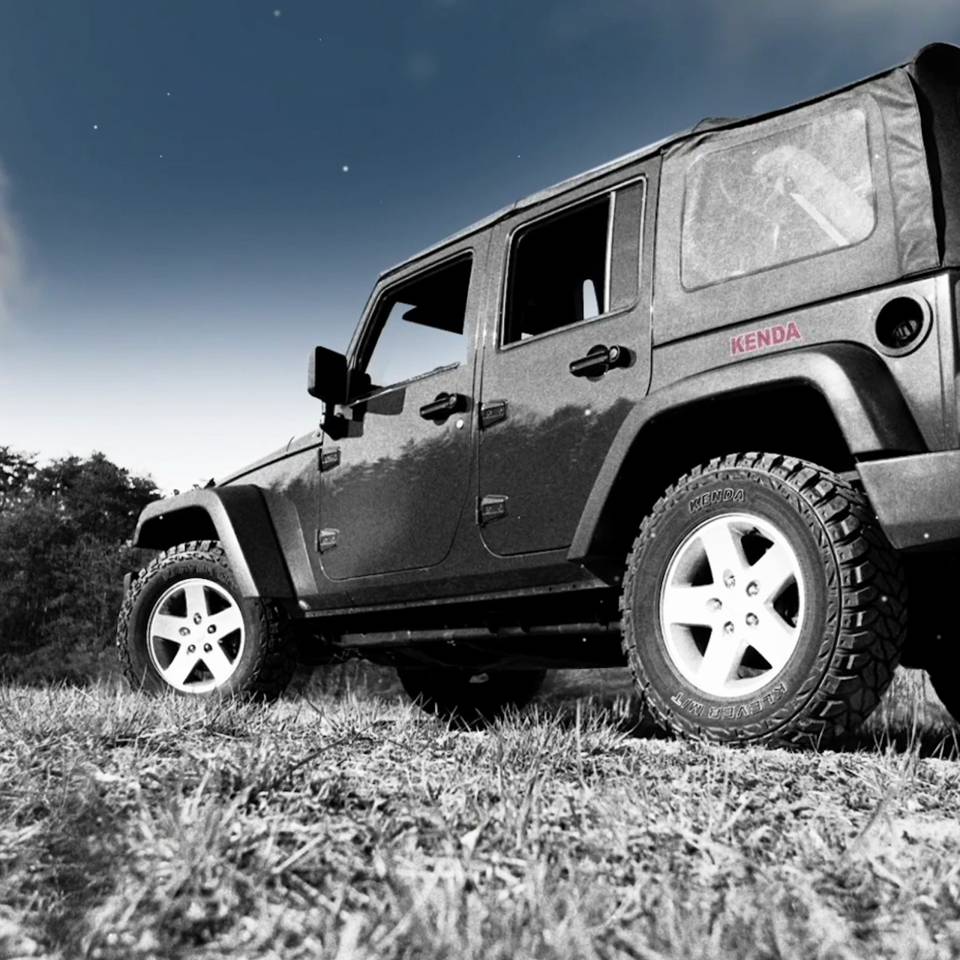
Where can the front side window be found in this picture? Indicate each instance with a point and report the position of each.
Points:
(785, 197)
(558, 273)
(421, 326)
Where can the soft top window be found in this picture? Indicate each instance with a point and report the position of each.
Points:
(784, 197)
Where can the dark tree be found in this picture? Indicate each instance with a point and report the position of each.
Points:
(63, 555)
(97, 495)
(16, 470)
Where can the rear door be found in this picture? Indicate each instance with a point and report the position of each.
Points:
(568, 358)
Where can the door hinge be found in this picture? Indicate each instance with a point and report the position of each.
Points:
(492, 507)
(327, 539)
(491, 412)
(329, 458)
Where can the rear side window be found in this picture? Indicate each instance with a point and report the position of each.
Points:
(559, 271)
(785, 197)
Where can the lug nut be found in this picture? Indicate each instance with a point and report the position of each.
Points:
(728, 627)
(752, 588)
(714, 604)
(197, 618)
(729, 580)
(751, 620)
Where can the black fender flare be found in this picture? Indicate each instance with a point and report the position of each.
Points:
(855, 383)
(241, 521)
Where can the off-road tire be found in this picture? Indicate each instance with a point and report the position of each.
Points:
(848, 643)
(265, 665)
(469, 698)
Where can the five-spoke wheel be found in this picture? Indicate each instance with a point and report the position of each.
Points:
(185, 626)
(761, 601)
(731, 608)
(195, 635)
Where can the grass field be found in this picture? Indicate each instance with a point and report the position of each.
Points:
(339, 825)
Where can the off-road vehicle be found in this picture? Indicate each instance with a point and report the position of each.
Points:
(695, 410)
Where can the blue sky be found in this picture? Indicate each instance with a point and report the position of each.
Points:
(195, 193)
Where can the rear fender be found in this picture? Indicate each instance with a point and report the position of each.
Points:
(857, 386)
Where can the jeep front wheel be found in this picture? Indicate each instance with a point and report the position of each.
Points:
(184, 627)
(762, 602)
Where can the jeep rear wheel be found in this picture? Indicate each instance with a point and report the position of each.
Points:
(184, 627)
(470, 698)
(761, 602)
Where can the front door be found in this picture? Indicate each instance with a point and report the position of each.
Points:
(393, 486)
(569, 358)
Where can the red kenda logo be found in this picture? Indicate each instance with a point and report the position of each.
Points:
(767, 337)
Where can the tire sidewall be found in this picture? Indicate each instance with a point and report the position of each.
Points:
(150, 587)
(694, 502)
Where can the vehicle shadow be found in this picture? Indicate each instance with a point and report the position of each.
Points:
(939, 743)
(916, 727)
(909, 720)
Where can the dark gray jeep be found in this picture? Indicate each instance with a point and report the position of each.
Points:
(695, 410)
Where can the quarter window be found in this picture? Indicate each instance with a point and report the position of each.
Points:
(792, 195)
(559, 271)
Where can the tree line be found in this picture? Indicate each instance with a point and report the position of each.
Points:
(64, 528)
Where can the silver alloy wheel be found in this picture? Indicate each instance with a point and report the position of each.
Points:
(732, 605)
(195, 635)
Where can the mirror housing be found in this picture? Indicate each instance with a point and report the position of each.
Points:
(327, 378)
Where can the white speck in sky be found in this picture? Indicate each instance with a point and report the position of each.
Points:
(96, 126)
(277, 13)
(346, 168)
(168, 93)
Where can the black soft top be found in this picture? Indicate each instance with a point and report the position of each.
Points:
(935, 73)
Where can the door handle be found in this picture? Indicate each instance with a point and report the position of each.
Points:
(441, 408)
(599, 360)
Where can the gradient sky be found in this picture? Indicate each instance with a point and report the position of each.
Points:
(195, 193)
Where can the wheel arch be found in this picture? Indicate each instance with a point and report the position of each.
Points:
(832, 405)
(237, 516)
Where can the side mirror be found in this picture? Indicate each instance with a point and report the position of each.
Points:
(327, 376)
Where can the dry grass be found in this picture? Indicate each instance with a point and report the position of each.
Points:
(351, 826)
